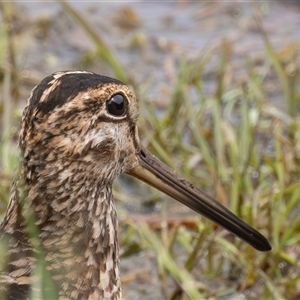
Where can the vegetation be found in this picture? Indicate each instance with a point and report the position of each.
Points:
(237, 145)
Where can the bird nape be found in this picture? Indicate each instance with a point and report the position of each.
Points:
(78, 133)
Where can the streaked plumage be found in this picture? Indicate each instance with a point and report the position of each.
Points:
(78, 133)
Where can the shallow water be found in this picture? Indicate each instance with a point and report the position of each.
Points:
(149, 39)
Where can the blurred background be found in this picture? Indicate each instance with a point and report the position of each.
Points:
(219, 90)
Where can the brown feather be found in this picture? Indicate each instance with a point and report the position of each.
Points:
(72, 150)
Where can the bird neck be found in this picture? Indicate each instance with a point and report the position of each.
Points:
(78, 231)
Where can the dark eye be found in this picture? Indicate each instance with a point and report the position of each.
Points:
(116, 105)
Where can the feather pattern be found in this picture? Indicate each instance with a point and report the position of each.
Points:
(72, 150)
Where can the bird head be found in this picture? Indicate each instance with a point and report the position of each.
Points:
(82, 120)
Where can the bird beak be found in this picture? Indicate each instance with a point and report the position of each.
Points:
(160, 176)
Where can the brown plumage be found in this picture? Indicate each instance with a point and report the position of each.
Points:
(78, 133)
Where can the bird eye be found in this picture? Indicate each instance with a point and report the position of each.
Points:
(116, 105)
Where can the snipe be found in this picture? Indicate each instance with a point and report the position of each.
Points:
(78, 133)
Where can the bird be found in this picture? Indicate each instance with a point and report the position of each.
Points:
(78, 133)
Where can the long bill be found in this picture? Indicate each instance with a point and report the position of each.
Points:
(155, 173)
